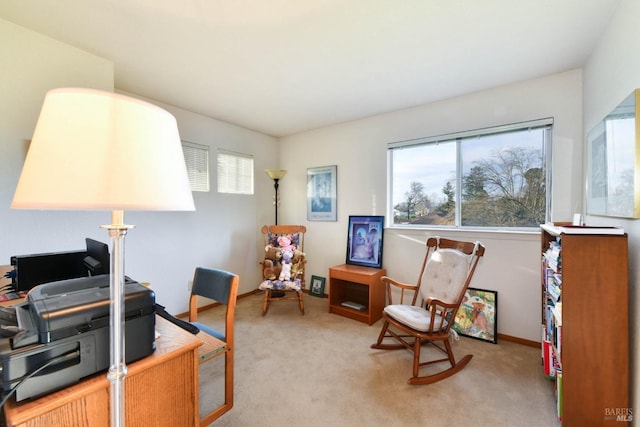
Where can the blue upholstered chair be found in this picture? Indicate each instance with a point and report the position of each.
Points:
(222, 287)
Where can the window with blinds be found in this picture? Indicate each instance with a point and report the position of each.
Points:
(196, 158)
(235, 173)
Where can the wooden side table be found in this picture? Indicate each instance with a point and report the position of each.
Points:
(360, 285)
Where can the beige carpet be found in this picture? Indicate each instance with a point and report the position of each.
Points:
(318, 370)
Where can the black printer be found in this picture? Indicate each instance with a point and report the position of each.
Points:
(60, 334)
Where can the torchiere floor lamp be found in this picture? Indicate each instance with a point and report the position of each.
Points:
(276, 175)
(96, 150)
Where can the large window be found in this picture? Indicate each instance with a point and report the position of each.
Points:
(494, 178)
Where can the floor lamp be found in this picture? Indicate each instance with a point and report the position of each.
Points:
(276, 175)
(95, 150)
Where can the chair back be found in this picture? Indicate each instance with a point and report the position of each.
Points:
(218, 285)
(447, 269)
(213, 284)
(270, 233)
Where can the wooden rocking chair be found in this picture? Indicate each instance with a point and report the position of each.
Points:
(447, 270)
(275, 286)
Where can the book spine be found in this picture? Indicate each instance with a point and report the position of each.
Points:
(548, 358)
(559, 394)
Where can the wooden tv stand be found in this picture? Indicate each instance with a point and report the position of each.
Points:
(360, 285)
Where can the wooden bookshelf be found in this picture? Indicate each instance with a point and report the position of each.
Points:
(592, 348)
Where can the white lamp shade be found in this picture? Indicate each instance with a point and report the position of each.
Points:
(99, 150)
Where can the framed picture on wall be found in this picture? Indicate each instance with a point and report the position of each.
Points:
(322, 198)
(364, 241)
(477, 316)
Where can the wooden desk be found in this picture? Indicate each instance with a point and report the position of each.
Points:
(160, 390)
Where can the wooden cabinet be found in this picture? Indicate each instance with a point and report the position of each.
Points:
(359, 285)
(588, 328)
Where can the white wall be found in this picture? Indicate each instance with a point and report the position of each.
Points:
(610, 75)
(224, 232)
(30, 65)
(511, 264)
(164, 247)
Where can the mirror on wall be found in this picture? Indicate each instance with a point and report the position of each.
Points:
(612, 163)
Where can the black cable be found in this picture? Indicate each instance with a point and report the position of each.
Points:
(58, 359)
(160, 311)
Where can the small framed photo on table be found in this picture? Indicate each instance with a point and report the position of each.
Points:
(317, 286)
(322, 198)
(364, 241)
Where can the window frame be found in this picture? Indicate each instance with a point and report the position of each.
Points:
(457, 138)
(199, 180)
(249, 189)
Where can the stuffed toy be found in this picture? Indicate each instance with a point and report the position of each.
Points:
(273, 253)
(271, 266)
(285, 273)
(284, 242)
(296, 263)
(269, 270)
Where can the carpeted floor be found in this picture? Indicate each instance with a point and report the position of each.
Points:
(318, 370)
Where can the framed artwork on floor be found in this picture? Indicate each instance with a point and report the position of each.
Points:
(478, 315)
(317, 286)
(364, 241)
(322, 197)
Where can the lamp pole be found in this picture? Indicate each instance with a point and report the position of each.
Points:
(276, 175)
(276, 201)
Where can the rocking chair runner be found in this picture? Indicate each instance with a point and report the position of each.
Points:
(447, 270)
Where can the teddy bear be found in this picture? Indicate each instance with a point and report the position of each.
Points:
(284, 242)
(273, 253)
(297, 263)
(271, 265)
(285, 273)
(269, 270)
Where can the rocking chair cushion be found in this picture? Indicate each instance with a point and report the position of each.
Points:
(413, 316)
(445, 275)
(281, 285)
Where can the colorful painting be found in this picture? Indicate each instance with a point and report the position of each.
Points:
(364, 241)
(478, 316)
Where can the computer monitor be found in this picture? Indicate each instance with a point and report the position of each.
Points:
(97, 260)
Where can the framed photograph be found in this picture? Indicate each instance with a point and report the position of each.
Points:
(322, 194)
(478, 315)
(364, 241)
(317, 286)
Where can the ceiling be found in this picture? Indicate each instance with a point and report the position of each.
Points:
(285, 66)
